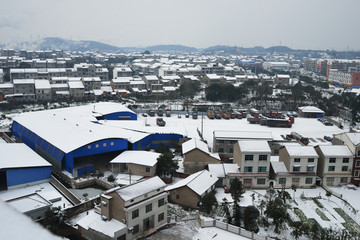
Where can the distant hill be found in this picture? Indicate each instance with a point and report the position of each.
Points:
(171, 48)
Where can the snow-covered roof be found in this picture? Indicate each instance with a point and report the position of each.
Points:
(29, 203)
(221, 170)
(279, 167)
(227, 134)
(140, 188)
(197, 144)
(55, 125)
(336, 150)
(42, 84)
(199, 182)
(254, 146)
(311, 109)
(354, 138)
(94, 221)
(76, 84)
(137, 157)
(23, 81)
(18, 155)
(10, 220)
(151, 78)
(298, 151)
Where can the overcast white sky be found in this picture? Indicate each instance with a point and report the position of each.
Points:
(299, 24)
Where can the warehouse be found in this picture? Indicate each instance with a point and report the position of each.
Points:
(20, 166)
(81, 139)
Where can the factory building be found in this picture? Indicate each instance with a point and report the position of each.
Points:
(78, 139)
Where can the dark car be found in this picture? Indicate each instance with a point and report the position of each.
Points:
(151, 113)
(160, 122)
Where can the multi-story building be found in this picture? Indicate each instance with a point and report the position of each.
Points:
(297, 166)
(122, 72)
(150, 80)
(42, 90)
(283, 66)
(91, 83)
(352, 141)
(282, 79)
(253, 159)
(142, 206)
(76, 89)
(1, 75)
(223, 141)
(335, 164)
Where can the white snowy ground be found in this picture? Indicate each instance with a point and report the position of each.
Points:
(190, 230)
(305, 126)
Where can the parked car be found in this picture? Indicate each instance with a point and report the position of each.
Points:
(160, 122)
(187, 115)
(144, 115)
(179, 116)
(194, 115)
(151, 113)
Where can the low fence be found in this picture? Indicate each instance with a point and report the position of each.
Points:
(231, 228)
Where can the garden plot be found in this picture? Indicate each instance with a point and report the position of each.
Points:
(323, 212)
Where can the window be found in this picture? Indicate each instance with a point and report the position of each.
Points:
(296, 159)
(247, 181)
(112, 143)
(329, 180)
(358, 163)
(331, 168)
(344, 180)
(295, 180)
(231, 150)
(247, 169)
(358, 153)
(147, 169)
(221, 149)
(296, 168)
(261, 181)
(135, 213)
(136, 229)
(149, 208)
(344, 168)
(332, 160)
(249, 157)
(308, 181)
(104, 145)
(310, 168)
(345, 160)
(310, 159)
(97, 145)
(89, 147)
(160, 217)
(261, 169)
(356, 173)
(161, 202)
(262, 157)
(282, 181)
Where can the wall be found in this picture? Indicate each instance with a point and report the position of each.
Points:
(187, 197)
(118, 115)
(27, 175)
(197, 160)
(167, 139)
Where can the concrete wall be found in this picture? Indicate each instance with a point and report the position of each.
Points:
(184, 196)
(197, 160)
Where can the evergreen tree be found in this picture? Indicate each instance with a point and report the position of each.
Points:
(166, 166)
(251, 214)
(225, 208)
(297, 230)
(208, 202)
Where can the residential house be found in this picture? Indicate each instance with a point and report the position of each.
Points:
(135, 162)
(43, 90)
(352, 141)
(122, 72)
(197, 156)
(189, 191)
(253, 159)
(150, 80)
(300, 163)
(213, 78)
(141, 207)
(222, 171)
(282, 79)
(335, 164)
(76, 89)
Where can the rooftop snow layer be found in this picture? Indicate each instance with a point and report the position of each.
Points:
(254, 146)
(311, 109)
(18, 155)
(140, 188)
(228, 134)
(336, 151)
(137, 157)
(221, 170)
(301, 151)
(94, 221)
(199, 182)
